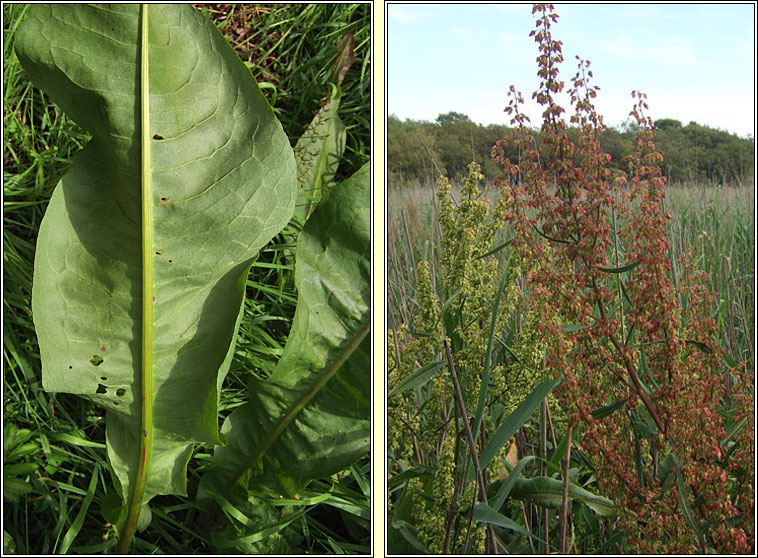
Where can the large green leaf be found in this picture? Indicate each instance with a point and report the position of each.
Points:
(143, 252)
(548, 492)
(311, 417)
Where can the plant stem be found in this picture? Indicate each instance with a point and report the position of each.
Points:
(618, 277)
(146, 432)
(528, 527)
(550, 423)
(629, 368)
(565, 506)
(543, 471)
(453, 503)
(469, 435)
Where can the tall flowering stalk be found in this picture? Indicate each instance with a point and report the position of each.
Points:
(454, 327)
(619, 328)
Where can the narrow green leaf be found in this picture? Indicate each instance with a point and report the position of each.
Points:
(617, 536)
(669, 463)
(644, 371)
(729, 360)
(637, 455)
(302, 500)
(700, 345)
(484, 389)
(310, 418)
(76, 526)
(75, 440)
(626, 296)
(363, 512)
(506, 346)
(543, 235)
(259, 534)
(557, 454)
(504, 489)
(684, 504)
(408, 532)
(732, 431)
(622, 269)
(417, 378)
(602, 412)
(515, 420)
(496, 249)
(485, 514)
(145, 246)
(570, 328)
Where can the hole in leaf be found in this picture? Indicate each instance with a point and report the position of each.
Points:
(103, 378)
(96, 360)
(159, 253)
(100, 388)
(170, 261)
(163, 198)
(120, 392)
(70, 367)
(158, 137)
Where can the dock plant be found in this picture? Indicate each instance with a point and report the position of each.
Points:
(143, 257)
(463, 378)
(660, 407)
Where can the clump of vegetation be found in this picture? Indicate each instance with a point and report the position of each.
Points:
(637, 338)
(648, 447)
(60, 451)
(452, 369)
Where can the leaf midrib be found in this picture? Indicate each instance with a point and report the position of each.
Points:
(297, 406)
(134, 502)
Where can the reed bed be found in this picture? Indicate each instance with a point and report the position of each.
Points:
(714, 227)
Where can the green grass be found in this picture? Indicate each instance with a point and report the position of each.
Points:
(718, 227)
(61, 460)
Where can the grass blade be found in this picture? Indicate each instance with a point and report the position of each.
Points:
(76, 526)
(516, 419)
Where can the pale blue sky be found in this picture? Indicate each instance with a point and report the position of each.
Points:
(694, 61)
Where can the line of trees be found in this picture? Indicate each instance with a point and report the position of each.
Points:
(693, 153)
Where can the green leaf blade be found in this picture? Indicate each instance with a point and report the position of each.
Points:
(514, 421)
(223, 184)
(311, 417)
(318, 153)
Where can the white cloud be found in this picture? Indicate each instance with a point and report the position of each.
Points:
(666, 50)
